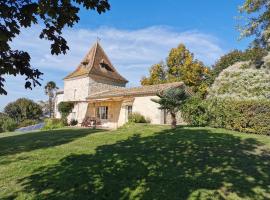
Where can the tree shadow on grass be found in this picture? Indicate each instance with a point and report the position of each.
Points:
(39, 140)
(180, 164)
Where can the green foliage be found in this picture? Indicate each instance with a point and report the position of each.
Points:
(23, 109)
(194, 111)
(254, 54)
(258, 23)
(73, 122)
(228, 60)
(3, 117)
(53, 17)
(171, 101)
(65, 108)
(157, 75)
(136, 118)
(242, 81)
(250, 116)
(53, 123)
(27, 122)
(7, 124)
(180, 66)
(147, 161)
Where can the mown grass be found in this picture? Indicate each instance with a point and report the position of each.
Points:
(135, 162)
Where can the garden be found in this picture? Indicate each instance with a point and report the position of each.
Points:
(137, 161)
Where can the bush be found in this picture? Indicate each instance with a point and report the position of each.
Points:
(53, 123)
(8, 125)
(194, 112)
(137, 118)
(73, 122)
(23, 109)
(65, 108)
(27, 122)
(252, 116)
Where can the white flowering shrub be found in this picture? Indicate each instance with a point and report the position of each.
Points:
(243, 81)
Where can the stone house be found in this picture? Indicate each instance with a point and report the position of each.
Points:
(98, 91)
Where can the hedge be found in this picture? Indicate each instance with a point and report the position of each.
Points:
(194, 112)
(53, 123)
(251, 116)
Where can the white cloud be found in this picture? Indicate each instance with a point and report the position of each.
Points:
(131, 51)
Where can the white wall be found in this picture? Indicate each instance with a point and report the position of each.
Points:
(59, 98)
(148, 108)
(76, 89)
(79, 111)
(122, 116)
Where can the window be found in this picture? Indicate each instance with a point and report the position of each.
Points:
(105, 66)
(102, 112)
(128, 112)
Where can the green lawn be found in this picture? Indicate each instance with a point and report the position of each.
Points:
(136, 162)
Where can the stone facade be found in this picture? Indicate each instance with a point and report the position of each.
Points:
(99, 84)
(78, 89)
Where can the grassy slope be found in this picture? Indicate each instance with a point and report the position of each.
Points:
(136, 162)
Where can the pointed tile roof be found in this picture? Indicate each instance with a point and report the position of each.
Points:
(97, 63)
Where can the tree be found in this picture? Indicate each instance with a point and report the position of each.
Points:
(54, 15)
(253, 54)
(228, 60)
(181, 66)
(157, 75)
(23, 109)
(258, 24)
(171, 101)
(65, 108)
(50, 89)
(45, 107)
(178, 58)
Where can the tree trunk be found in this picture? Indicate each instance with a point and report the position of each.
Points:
(173, 116)
(50, 107)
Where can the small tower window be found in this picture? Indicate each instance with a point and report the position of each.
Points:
(104, 65)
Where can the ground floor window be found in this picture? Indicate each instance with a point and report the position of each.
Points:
(129, 110)
(102, 112)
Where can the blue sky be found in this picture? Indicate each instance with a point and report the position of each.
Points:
(135, 35)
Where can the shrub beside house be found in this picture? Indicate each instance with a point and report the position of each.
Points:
(20, 113)
(239, 99)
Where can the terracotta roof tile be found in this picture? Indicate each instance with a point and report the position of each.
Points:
(96, 62)
(136, 91)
